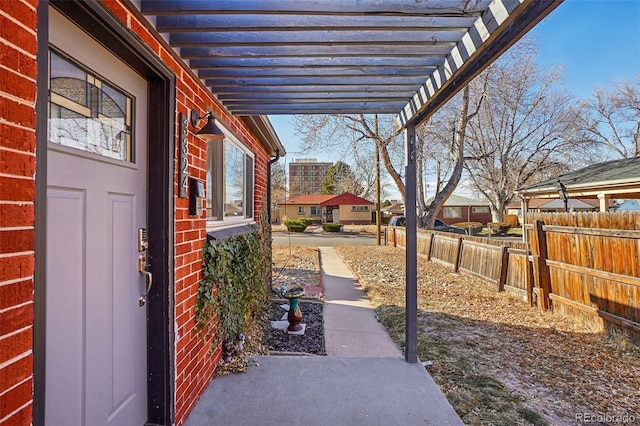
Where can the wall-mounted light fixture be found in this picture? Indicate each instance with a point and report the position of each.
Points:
(209, 131)
(562, 192)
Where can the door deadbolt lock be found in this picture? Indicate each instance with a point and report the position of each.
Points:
(143, 240)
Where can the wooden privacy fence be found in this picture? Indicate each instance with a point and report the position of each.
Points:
(578, 264)
(588, 265)
(502, 263)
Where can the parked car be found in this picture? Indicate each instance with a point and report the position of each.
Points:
(398, 221)
(438, 226)
(443, 227)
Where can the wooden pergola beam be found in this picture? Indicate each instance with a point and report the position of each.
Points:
(502, 25)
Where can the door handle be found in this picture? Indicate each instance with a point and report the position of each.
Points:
(149, 282)
(143, 266)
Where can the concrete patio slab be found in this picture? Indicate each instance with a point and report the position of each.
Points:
(305, 390)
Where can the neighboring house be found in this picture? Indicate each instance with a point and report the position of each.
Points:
(345, 208)
(463, 209)
(308, 206)
(514, 208)
(395, 208)
(541, 205)
(602, 182)
(348, 209)
(97, 165)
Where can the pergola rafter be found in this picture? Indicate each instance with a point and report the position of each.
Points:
(276, 47)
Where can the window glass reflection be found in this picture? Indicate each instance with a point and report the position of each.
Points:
(234, 180)
(88, 113)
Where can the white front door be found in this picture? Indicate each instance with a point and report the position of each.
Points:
(96, 370)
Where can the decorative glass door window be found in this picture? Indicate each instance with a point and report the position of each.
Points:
(87, 112)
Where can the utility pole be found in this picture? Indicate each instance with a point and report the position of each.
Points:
(378, 226)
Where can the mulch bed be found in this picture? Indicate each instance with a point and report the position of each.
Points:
(295, 267)
(280, 342)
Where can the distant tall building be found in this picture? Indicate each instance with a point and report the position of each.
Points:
(306, 176)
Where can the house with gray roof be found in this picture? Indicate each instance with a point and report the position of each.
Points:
(616, 179)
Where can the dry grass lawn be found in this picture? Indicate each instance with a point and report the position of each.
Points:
(497, 360)
(295, 266)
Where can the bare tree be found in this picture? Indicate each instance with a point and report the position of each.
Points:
(440, 141)
(339, 179)
(353, 133)
(449, 133)
(364, 167)
(524, 130)
(278, 184)
(611, 119)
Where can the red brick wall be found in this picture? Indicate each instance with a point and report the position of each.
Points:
(17, 193)
(473, 217)
(195, 365)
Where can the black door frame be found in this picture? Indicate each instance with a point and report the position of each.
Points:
(97, 21)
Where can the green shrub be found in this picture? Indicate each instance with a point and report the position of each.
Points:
(332, 227)
(295, 225)
(233, 289)
(498, 227)
(307, 221)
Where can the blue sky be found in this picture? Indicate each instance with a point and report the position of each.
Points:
(597, 42)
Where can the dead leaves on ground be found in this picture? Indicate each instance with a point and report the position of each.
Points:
(295, 266)
(558, 365)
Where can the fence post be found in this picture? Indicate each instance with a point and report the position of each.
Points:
(541, 273)
(529, 275)
(504, 267)
(429, 246)
(395, 238)
(456, 264)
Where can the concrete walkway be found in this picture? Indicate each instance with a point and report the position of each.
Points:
(350, 325)
(364, 380)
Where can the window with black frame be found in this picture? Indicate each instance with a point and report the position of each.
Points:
(230, 173)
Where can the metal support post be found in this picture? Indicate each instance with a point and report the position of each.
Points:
(411, 326)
